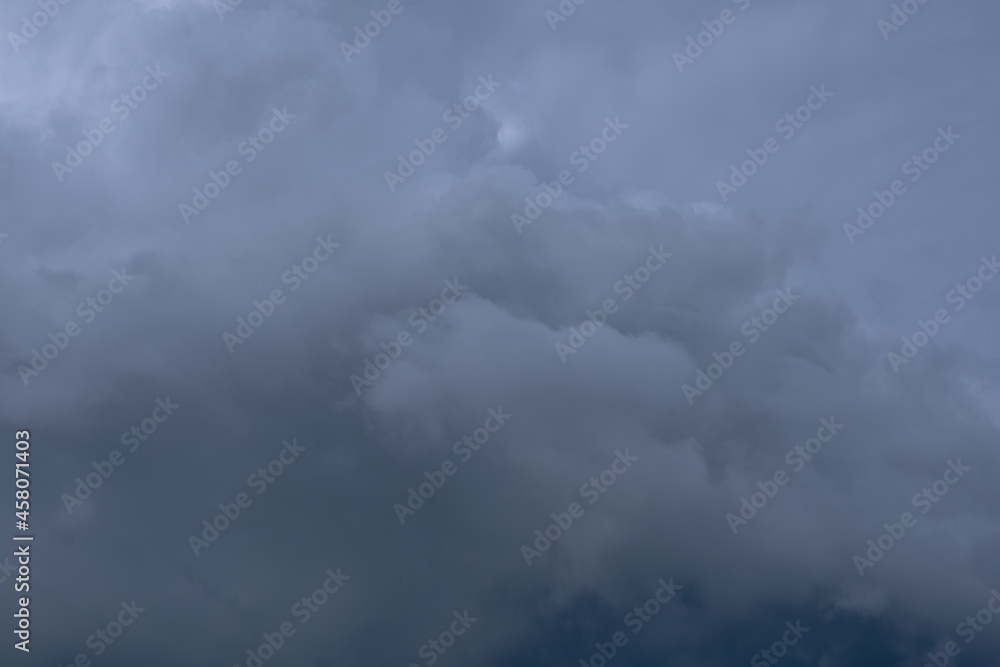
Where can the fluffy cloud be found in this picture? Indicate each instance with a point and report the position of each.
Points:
(434, 366)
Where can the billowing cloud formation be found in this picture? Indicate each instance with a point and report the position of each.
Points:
(429, 333)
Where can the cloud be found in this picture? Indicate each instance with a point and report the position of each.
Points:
(495, 344)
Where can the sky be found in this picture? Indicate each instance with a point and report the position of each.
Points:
(508, 334)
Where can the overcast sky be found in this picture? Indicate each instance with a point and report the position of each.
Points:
(500, 267)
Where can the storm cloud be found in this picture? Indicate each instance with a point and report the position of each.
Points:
(527, 333)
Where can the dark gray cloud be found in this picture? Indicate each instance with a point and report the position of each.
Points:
(516, 332)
